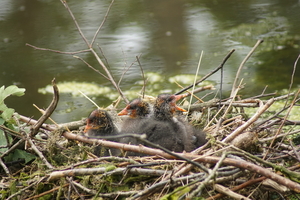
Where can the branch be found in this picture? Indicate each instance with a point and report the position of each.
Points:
(57, 51)
(209, 74)
(102, 23)
(239, 130)
(48, 111)
(234, 85)
(64, 2)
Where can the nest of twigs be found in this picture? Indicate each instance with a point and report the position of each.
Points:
(248, 156)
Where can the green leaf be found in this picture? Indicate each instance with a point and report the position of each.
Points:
(10, 90)
(2, 106)
(3, 141)
(1, 121)
(7, 114)
(19, 154)
(177, 193)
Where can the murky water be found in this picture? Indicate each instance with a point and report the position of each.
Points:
(168, 35)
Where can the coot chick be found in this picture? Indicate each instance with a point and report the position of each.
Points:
(138, 112)
(100, 123)
(164, 109)
(140, 121)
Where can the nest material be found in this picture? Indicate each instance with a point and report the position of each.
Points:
(244, 158)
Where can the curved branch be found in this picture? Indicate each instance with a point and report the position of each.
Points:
(48, 111)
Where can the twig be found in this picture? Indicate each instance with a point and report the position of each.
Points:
(109, 75)
(143, 76)
(234, 85)
(209, 74)
(48, 111)
(48, 192)
(254, 168)
(96, 70)
(6, 170)
(69, 179)
(263, 140)
(102, 23)
(35, 149)
(229, 192)
(57, 51)
(158, 186)
(194, 84)
(143, 150)
(236, 188)
(64, 2)
(210, 176)
(239, 130)
(26, 188)
(282, 123)
(12, 147)
(103, 170)
(293, 73)
(88, 98)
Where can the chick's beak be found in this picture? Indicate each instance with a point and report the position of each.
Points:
(178, 97)
(87, 127)
(124, 111)
(180, 109)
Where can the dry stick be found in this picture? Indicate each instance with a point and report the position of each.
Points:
(109, 76)
(12, 147)
(209, 74)
(194, 84)
(282, 169)
(57, 51)
(254, 168)
(239, 130)
(76, 24)
(143, 76)
(211, 175)
(48, 192)
(234, 85)
(229, 192)
(96, 70)
(12, 132)
(239, 187)
(140, 149)
(93, 51)
(204, 159)
(271, 117)
(4, 167)
(188, 93)
(103, 170)
(295, 151)
(281, 125)
(70, 126)
(291, 106)
(26, 188)
(124, 72)
(35, 149)
(157, 186)
(70, 180)
(263, 140)
(48, 111)
(102, 23)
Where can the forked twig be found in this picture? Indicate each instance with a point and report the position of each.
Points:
(64, 2)
(234, 85)
(209, 74)
(102, 23)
